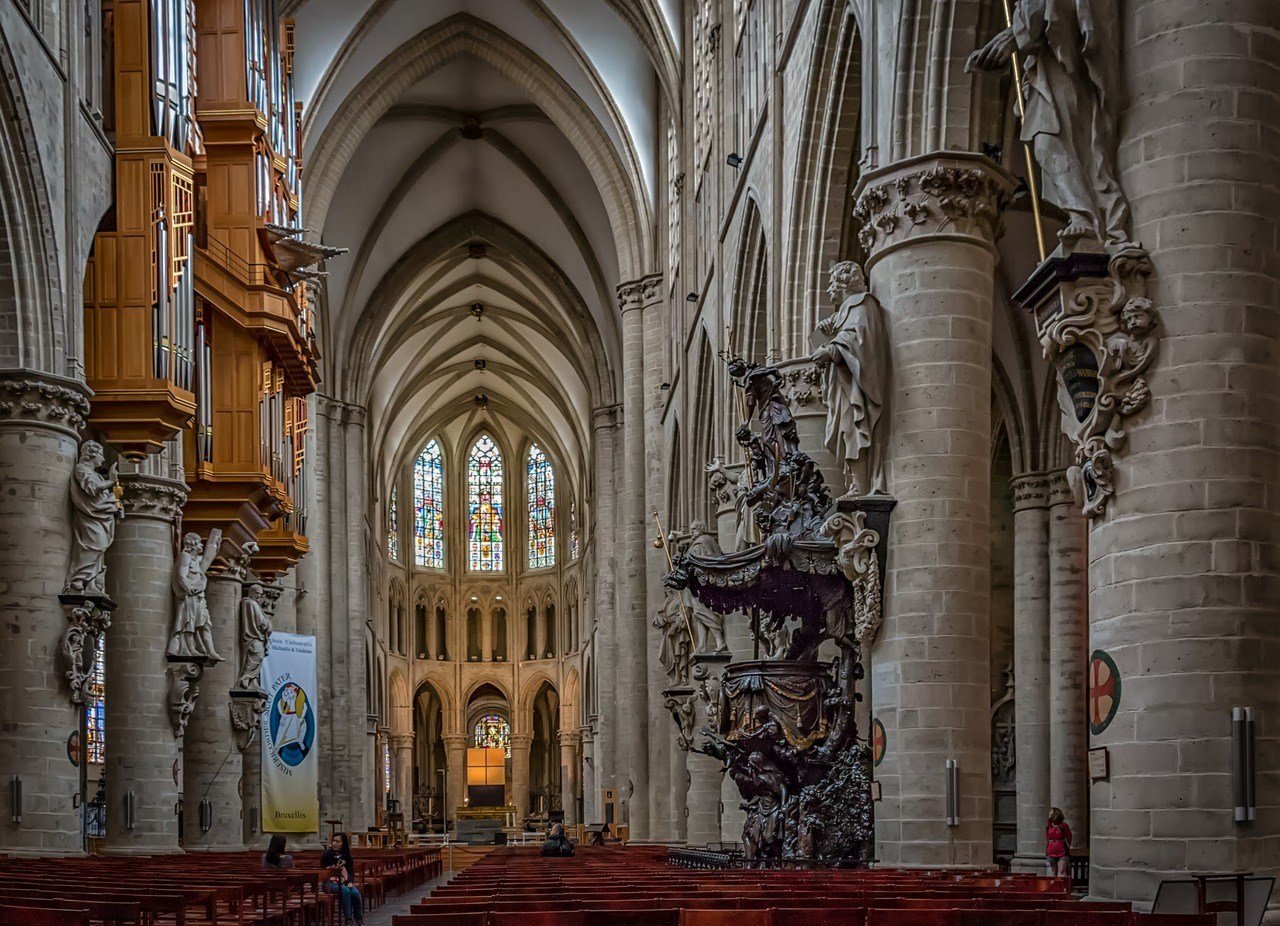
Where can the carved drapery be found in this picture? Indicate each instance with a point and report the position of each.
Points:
(857, 558)
(184, 689)
(88, 617)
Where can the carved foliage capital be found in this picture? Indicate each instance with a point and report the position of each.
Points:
(931, 198)
(1030, 490)
(27, 396)
(1059, 489)
(637, 294)
(152, 497)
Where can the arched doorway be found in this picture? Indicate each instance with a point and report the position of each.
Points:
(544, 755)
(429, 785)
(488, 749)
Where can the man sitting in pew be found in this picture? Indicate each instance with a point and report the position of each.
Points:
(557, 844)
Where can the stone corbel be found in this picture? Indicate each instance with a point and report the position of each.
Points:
(1098, 329)
(680, 702)
(184, 690)
(246, 715)
(88, 617)
(857, 555)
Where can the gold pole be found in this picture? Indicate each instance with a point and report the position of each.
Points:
(1026, 146)
(661, 541)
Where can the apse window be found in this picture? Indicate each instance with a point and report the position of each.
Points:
(428, 507)
(542, 509)
(484, 506)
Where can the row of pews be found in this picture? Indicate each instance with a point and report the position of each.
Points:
(198, 889)
(636, 886)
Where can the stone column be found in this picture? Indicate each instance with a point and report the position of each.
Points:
(212, 764)
(929, 224)
(402, 765)
(1031, 664)
(486, 636)
(603, 524)
(539, 633)
(142, 758)
(570, 746)
(40, 418)
(1068, 639)
(634, 684)
(455, 757)
(590, 788)
(520, 745)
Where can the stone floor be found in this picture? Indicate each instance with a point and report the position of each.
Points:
(400, 904)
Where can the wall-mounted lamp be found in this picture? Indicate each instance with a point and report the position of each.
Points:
(692, 297)
(206, 815)
(734, 159)
(665, 386)
(15, 790)
(130, 810)
(953, 792)
(1243, 753)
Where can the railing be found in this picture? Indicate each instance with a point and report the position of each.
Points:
(704, 859)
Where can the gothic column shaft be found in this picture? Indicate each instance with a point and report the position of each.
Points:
(359, 764)
(930, 222)
(486, 636)
(212, 765)
(520, 745)
(1068, 639)
(39, 419)
(603, 528)
(590, 761)
(570, 748)
(632, 604)
(143, 750)
(1031, 664)
(402, 765)
(455, 757)
(539, 633)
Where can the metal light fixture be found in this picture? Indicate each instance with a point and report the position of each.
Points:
(130, 810)
(953, 792)
(206, 815)
(15, 789)
(1243, 755)
(692, 297)
(734, 159)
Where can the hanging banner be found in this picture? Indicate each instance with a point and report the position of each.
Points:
(290, 755)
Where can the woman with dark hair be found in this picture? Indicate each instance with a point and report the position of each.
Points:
(275, 856)
(341, 878)
(1057, 850)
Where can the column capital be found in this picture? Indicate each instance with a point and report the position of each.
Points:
(1030, 490)
(638, 294)
(1059, 489)
(339, 411)
(522, 740)
(155, 497)
(454, 740)
(605, 417)
(402, 740)
(29, 397)
(569, 738)
(945, 195)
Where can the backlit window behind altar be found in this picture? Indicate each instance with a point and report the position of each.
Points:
(393, 526)
(492, 731)
(484, 506)
(428, 507)
(96, 706)
(542, 509)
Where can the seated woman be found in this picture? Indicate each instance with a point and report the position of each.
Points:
(341, 878)
(275, 856)
(557, 844)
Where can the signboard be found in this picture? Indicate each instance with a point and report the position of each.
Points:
(1099, 764)
(290, 750)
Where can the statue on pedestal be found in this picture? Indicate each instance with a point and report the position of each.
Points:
(255, 632)
(96, 508)
(193, 626)
(1072, 100)
(674, 649)
(854, 363)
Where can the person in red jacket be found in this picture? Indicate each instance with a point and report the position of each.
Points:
(1057, 845)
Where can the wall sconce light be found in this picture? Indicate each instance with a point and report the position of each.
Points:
(692, 297)
(665, 386)
(130, 810)
(15, 789)
(206, 815)
(734, 159)
(953, 792)
(1243, 753)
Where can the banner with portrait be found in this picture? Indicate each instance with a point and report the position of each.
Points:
(290, 750)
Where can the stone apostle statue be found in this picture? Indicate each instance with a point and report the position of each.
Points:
(255, 631)
(674, 648)
(193, 626)
(96, 510)
(1072, 107)
(854, 365)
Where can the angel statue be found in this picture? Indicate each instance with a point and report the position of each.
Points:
(96, 510)
(255, 632)
(854, 363)
(193, 626)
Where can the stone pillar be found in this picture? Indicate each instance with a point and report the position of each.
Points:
(588, 765)
(440, 633)
(402, 766)
(603, 525)
(709, 787)
(455, 757)
(520, 745)
(212, 764)
(1068, 639)
(486, 636)
(143, 756)
(1031, 665)
(634, 683)
(570, 746)
(539, 633)
(40, 417)
(929, 224)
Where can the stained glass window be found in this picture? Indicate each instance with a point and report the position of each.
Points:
(484, 506)
(386, 763)
(575, 538)
(492, 732)
(428, 507)
(542, 509)
(393, 526)
(95, 709)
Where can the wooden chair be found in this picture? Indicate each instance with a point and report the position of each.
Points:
(30, 916)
